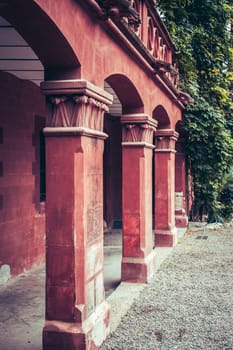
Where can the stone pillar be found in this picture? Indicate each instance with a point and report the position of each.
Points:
(165, 230)
(138, 255)
(77, 315)
(181, 217)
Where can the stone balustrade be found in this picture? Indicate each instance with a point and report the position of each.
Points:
(142, 19)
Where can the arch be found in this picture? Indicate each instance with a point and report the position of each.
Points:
(127, 93)
(160, 114)
(180, 128)
(41, 34)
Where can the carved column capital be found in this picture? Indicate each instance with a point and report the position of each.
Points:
(138, 129)
(165, 140)
(76, 106)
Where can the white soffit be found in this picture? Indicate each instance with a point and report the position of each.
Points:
(16, 56)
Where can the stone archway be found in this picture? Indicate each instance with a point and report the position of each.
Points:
(113, 163)
(77, 315)
(127, 100)
(112, 199)
(127, 93)
(27, 51)
(164, 180)
(161, 116)
(43, 36)
(181, 185)
(137, 145)
(22, 118)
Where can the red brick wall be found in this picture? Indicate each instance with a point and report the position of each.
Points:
(22, 224)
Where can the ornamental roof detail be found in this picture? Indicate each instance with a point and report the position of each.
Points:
(142, 27)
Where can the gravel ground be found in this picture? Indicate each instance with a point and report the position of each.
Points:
(189, 303)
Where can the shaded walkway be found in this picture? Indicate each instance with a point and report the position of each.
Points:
(189, 304)
(22, 312)
(22, 300)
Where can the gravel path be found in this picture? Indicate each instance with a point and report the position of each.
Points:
(189, 303)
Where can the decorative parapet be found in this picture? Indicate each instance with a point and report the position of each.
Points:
(140, 23)
(138, 129)
(165, 140)
(118, 9)
(75, 105)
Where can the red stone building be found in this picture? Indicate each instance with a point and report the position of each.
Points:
(90, 135)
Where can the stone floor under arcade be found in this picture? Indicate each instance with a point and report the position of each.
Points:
(22, 299)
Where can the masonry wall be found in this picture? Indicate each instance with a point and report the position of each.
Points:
(22, 217)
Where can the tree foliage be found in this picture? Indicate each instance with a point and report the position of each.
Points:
(202, 32)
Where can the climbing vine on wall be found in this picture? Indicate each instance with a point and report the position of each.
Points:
(202, 32)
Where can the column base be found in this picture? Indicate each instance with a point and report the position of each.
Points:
(165, 238)
(138, 270)
(181, 221)
(89, 335)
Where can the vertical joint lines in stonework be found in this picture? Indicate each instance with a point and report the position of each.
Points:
(138, 128)
(77, 111)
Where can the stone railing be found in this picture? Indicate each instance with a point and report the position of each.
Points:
(141, 24)
(154, 35)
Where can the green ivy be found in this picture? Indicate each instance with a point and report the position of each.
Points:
(202, 32)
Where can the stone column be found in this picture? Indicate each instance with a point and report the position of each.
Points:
(181, 217)
(165, 230)
(77, 315)
(138, 255)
